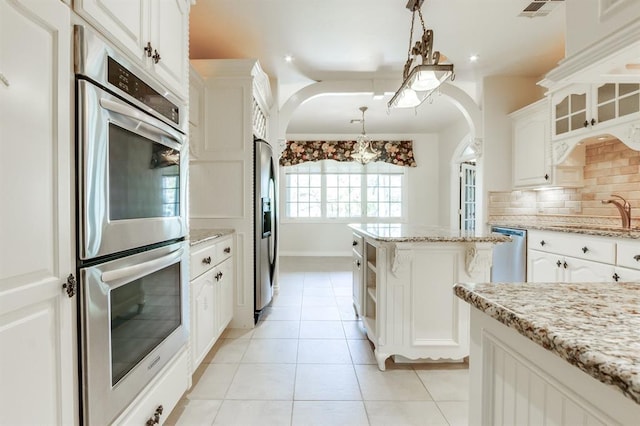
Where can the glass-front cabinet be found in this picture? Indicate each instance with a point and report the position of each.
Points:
(581, 108)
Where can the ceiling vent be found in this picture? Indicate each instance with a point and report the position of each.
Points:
(538, 8)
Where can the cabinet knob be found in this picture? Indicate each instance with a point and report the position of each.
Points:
(355, 243)
(148, 49)
(207, 260)
(586, 123)
(558, 263)
(585, 249)
(542, 243)
(565, 265)
(227, 250)
(546, 176)
(156, 56)
(593, 121)
(616, 277)
(358, 263)
(637, 257)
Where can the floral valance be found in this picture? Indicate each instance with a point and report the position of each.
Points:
(399, 153)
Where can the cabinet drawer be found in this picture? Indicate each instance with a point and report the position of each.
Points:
(575, 245)
(202, 259)
(358, 244)
(628, 255)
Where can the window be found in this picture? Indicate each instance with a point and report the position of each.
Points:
(341, 190)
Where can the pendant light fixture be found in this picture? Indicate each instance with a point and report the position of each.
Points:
(363, 152)
(422, 80)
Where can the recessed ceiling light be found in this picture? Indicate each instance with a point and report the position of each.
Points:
(288, 58)
(474, 58)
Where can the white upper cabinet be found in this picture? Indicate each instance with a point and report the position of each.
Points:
(584, 109)
(531, 159)
(153, 33)
(37, 320)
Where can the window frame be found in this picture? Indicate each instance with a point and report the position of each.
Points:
(326, 167)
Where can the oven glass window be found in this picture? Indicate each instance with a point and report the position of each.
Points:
(143, 313)
(144, 177)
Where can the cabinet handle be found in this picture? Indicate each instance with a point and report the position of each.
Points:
(148, 49)
(593, 121)
(586, 123)
(358, 263)
(155, 419)
(616, 277)
(207, 260)
(637, 257)
(565, 265)
(355, 243)
(218, 276)
(156, 56)
(558, 263)
(542, 243)
(227, 250)
(585, 249)
(546, 176)
(70, 285)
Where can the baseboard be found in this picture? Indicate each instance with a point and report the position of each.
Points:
(315, 253)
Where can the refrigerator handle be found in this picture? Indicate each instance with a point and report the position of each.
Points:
(274, 218)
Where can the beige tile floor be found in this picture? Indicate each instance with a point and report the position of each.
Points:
(308, 362)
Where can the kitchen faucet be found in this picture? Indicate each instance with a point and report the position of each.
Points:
(624, 208)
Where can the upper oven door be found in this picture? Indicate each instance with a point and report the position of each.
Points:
(131, 176)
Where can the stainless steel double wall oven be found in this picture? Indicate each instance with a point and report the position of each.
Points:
(132, 256)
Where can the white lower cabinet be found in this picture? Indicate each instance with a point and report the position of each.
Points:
(592, 259)
(212, 288)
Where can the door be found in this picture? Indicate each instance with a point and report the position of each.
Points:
(224, 283)
(37, 319)
(543, 267)
(357, 270)
(468, 196)
(203, 304)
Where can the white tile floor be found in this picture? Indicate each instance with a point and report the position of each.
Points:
(308, 362)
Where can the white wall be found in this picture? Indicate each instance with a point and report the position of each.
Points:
(449, 139)
(586, 25)
(334, 239)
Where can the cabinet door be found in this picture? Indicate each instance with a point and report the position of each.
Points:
(579, 270)
(571, 111)
(530, 142)
(543, 267)
(204, 315)
(624, 275)
(357, 282)
(37, 320)
(125, 22)
(169, 37)
(225, 282)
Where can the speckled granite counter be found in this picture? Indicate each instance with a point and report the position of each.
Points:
(393, 232)
(595, 327)
(197, 236)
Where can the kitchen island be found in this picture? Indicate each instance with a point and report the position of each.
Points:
(402, 288)
(554, 353)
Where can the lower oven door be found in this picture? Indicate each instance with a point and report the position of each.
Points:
(134, 320)
(131, 176)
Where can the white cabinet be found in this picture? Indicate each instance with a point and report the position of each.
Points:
(212, 286)
(532, 157)
(38, 353)
(582, 109)
(153, 33)
(566, 257)
(236, 100)
(358, 273)
(409, 309)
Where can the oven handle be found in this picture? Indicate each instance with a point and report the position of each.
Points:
(144, 120)
(142, 269)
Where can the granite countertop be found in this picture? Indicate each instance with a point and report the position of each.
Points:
(601, 231)
(197, 236)
(594, 326)
(396, 232)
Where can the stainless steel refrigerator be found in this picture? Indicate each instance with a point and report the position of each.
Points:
(265, 225)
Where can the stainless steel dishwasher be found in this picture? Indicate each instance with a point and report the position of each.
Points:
(510, 259)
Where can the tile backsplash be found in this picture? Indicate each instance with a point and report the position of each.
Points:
(611, 167)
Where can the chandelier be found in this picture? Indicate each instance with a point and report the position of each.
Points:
(422, 80)
(363, 152)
